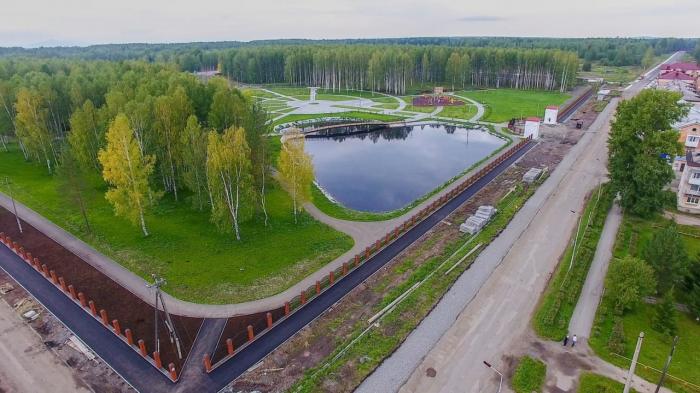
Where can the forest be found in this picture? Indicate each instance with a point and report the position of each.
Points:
(393, 69)
(146, 130)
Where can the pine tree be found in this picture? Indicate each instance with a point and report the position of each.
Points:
(127, 172)
(666, 318)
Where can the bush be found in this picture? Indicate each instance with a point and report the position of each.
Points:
(529, 376)
(587, 66)
(616, 343)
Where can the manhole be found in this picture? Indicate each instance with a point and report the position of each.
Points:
(431, 372)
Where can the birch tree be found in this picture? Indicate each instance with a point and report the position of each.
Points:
(194, 161)
(86, 137)
(127, 172)
(296, 169)
(228, 174)
(32, 128)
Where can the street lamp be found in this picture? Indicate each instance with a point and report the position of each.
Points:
(500, 384)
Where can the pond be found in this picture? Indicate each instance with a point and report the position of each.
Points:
(389, 168)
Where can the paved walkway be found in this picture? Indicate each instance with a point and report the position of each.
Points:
(484, 314)
(584, 313)
(683, 219)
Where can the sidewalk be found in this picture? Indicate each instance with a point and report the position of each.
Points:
(584, 313)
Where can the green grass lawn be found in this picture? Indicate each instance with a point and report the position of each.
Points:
(594, 383)
(301, 93)
(529, 375)
(420, 109)
(505, 104)
(334, 97)
(351, 114)
(200, 263)
(465, 112)
(633, 236)
(354, 93)
(387, 105)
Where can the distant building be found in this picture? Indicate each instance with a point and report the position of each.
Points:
(690, 69)
(551, 114)
(689, 185)
(532, 127)
(675, 77)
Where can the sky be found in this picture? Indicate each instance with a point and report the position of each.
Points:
(84, 22)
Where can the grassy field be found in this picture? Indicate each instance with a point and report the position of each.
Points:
(594, 383)
(301, 93)
(505, 104)
(633, 237)
(465, 112)
(419, 109)
(559, 300)
(350, 114)
(529, 375)
(200, 263)
(369, 350)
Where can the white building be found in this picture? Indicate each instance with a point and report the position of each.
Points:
(532, 127)
(689, 186)
(551, 114)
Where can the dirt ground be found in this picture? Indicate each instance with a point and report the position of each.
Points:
(132, 312)
(308, 348)
(92, 374)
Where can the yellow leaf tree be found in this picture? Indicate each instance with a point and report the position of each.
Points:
(296, 169)
(127, 172)
(229, 178)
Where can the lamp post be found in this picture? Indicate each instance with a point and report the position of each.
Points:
(500, 384)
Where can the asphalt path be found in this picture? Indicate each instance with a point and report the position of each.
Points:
(144, 378)
(124, 360)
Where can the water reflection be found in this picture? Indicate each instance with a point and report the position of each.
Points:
(389, 168)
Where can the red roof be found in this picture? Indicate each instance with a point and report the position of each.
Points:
(537, 119)
(676, 75)
(553, 107)
(682, 67)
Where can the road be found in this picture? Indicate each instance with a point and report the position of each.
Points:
(489, 308)
(27, 364)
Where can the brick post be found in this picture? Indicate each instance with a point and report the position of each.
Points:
(156, 360)
(302, 297)
(331, 278)
(81, 297)
(71, 290)
(62, 282)
(207, 363)
(105, 319)
(251, 333)
(93, 309)
(318, 287)
(229, 346)
(345, 268)
(357, 260)
(129, 336)
(286, 308)
(45, 270)
(268, 317)
(117, 327)
(37, 264)
(142, 348)
(173, 372)
(28, 257)
(54, 277)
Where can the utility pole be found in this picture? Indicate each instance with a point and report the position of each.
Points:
(630, 374)
(500, 384)
(14, 206)
(174, 339)
(668, 363)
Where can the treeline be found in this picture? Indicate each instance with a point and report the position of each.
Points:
(145, 129)
(204, 55)
(394, 69)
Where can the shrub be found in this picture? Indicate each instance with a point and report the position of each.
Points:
(616, 343)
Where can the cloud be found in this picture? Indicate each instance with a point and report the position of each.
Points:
(481, 18)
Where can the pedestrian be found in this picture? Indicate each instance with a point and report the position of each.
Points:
(566, 340)
(573, 341)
